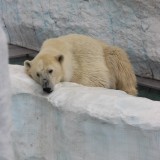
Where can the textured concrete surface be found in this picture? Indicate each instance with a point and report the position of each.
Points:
(81, 123)
(132, 25)
(6, 150)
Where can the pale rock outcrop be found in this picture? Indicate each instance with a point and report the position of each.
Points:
(81, 123)
(6, 150)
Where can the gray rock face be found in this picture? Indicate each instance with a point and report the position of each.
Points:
(132, 25)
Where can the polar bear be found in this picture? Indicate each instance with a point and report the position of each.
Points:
(84, 60)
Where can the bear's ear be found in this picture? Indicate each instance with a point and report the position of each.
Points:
(60, 58)
(27, 64)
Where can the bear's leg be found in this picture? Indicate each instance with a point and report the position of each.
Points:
(121, 68)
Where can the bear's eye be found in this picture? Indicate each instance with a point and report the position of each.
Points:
(38, 75)
(50, 71)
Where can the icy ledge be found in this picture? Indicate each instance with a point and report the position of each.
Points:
(81, 123)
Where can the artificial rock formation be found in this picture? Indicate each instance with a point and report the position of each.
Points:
(132, 25)
(6, 150)
(81, 123)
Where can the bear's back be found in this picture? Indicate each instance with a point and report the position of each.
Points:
(84, 51)
(89, 66)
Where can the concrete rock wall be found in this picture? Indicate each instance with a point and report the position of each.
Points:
(81, 123)
(133, 25)
(6, 150)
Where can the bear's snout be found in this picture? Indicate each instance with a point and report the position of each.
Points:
(48, 90)
(46, 87)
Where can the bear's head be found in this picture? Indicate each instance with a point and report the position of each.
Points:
(46, 69)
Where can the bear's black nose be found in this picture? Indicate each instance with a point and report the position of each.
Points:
(48, 90)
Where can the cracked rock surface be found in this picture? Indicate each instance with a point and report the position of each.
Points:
(132, 25)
